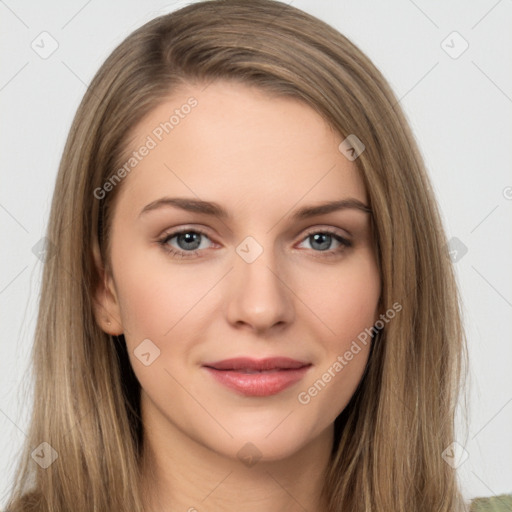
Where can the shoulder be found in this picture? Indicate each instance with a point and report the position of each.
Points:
(501, 503)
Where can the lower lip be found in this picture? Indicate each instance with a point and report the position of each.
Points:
(259, 384)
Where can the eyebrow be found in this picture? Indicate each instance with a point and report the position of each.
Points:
(215, 210)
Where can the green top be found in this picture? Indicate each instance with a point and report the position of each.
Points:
(501, 503)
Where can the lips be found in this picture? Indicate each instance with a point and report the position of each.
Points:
(252, 377)
(255, 365)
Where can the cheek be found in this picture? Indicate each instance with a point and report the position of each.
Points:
(157, 301)
(345, 299)
(155, 295)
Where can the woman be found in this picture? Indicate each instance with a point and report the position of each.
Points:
(256, 370)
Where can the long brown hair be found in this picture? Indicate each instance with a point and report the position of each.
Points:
(389, 440)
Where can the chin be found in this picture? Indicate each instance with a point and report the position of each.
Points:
(257, 441)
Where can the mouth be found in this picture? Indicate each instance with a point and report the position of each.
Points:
(257, 365)
(252, 377)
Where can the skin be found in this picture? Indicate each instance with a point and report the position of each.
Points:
(261, 158)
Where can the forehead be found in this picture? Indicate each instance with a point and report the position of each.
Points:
(237, 145)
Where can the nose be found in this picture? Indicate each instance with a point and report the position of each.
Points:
(261, 296)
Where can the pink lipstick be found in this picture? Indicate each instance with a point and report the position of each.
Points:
(253, 377)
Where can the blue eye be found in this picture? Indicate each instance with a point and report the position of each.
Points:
(323, 239)
(189, 243)
(189, 240)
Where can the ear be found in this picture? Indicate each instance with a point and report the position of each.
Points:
(106, 305)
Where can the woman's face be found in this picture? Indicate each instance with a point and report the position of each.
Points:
(258, 281)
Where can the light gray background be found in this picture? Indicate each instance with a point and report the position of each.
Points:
(460, 110)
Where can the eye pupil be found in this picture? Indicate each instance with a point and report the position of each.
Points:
(189, 238)
(324, 239)
(190, 242)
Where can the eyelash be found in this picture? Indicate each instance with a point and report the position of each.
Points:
(331, 253)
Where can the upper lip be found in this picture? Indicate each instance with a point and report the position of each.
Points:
(247, 363)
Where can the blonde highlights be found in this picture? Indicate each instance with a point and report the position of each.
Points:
(390, 438)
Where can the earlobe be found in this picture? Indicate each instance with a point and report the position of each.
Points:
(106, 306)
